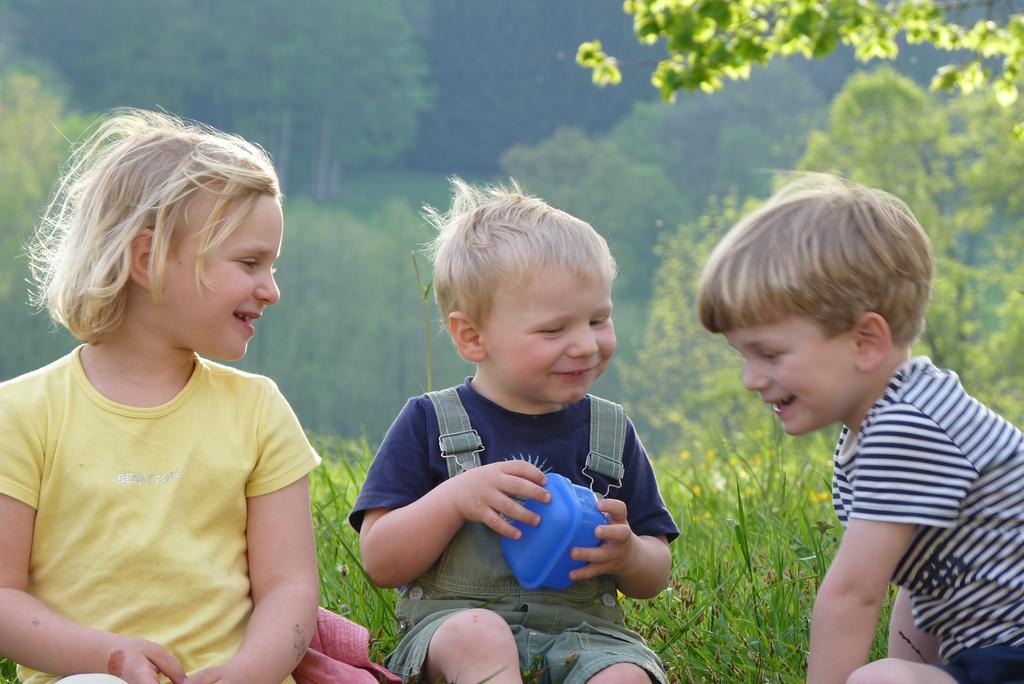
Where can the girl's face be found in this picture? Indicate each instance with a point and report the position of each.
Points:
(218, 320)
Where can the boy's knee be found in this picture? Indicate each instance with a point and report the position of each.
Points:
(475, 626)
(887, 671)
(621, 673)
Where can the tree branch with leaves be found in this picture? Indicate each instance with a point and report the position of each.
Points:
(711, 40)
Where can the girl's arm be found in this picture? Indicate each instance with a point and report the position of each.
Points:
(35, 636)
(285, 589)
(849, 602)
(399, 545)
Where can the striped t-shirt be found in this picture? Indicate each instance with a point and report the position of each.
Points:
(927, 454)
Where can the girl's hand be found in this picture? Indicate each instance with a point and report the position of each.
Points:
(486, 494)
(611, 554)
(138, 661)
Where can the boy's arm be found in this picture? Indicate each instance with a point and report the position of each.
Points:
(285, 589)
(647, 569)
(641, 564)
(399, 545)
(906, 641)
(849, 601)
(33, 635)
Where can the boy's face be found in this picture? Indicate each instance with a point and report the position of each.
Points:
(810, 379)
(545, 341)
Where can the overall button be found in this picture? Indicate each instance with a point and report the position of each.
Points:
(416, 593)
(608, 600)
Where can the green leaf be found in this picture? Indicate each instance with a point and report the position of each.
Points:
(704, 30)
(1006, 92)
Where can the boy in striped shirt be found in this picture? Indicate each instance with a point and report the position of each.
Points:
(823, 290)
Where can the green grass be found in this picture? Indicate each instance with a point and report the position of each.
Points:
(758, 533)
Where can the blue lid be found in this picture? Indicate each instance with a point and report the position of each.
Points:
(541, 556)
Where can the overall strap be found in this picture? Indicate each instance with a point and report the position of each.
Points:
(607, 438)
(460, 443)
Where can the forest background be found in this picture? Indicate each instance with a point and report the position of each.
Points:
(368, 108)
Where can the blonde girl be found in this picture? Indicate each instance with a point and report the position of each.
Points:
(154, 509)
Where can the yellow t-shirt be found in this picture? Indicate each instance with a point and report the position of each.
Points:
(141, 512)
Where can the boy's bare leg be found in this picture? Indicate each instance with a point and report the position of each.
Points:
(473, 646)
(895, 671)
(622, 673)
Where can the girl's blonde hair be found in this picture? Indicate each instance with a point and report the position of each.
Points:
(138, 170)
(497, 235)
(824, 249)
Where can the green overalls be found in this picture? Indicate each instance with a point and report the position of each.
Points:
(570, 634)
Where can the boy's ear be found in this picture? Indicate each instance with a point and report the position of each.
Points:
(466, 335)
(142, 252)
(872, 339)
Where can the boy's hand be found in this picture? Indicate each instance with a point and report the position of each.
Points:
(611, 554)
(138, 661)
(486, 494)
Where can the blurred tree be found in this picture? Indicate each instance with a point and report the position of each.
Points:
(708, 40)
(327, 87)
(683, 380)
(502, 74)
(346, 342)
(951, 161)
(732, 141)
(115, 52)
(628, 201)
(33, 127)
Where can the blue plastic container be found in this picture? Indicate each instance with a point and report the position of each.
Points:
(540, 557)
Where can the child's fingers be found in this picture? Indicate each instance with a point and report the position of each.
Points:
(606, 556)
(614, 533)
(500, 524)
(520, 487)
(591, 570)
(523, 469)
(602, 553)
(614, 509)
(166, 663)
(510, 509)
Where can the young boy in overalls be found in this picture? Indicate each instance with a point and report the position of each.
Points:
(525, 290)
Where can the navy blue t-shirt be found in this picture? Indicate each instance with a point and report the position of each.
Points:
(409, 462)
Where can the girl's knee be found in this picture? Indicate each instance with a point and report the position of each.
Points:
(621, 673)
(474, 626)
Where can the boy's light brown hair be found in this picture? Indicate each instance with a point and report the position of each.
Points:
(497, 236)
(824, 249)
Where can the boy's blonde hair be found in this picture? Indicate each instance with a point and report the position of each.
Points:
(138, 170)
(496, 236)
(824, 249)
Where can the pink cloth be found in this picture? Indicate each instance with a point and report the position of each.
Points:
(339, 652)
